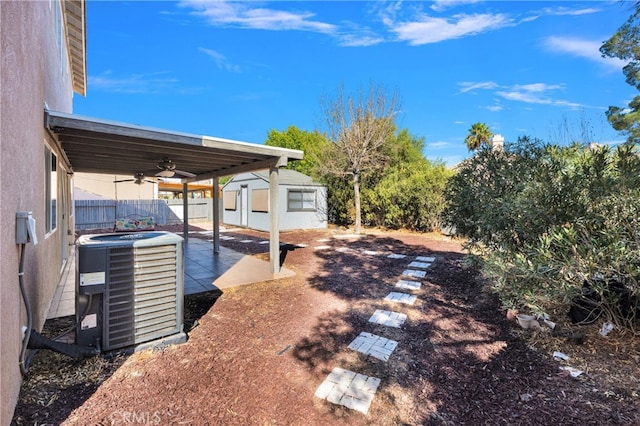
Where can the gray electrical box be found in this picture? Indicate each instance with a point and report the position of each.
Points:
(25, 228)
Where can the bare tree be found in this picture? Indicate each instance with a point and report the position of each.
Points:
(357, 128)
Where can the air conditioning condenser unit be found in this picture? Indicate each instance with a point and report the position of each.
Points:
(129, 290)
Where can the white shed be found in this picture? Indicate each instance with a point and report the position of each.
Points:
(303, 202)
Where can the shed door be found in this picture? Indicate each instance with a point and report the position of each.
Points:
(244, 206)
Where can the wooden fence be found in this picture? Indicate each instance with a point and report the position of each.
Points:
(101, 214)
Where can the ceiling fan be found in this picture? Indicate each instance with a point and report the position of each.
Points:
(138, 179)
(168, 169)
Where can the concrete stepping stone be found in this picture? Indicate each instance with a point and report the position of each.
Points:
(264, 242)
(414, 273)
(429, 259)
(408, 299)
(376, 346)
(343, 249)
(246, 241)
(348, 388)
(322, 247)
(388, 318)
(370, 252)
(409, 285)
(227, 237)
(348, 236)
(324, 240)
(397, 256)
(422, 265)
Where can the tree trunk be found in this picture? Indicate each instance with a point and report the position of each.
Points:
(356, 196)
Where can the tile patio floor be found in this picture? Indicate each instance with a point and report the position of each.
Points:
(204, 270)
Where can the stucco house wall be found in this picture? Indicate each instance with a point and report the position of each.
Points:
(35, 74)
(99, 186)
(245, 201)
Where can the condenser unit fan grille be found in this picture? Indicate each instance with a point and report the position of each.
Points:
(147, 308)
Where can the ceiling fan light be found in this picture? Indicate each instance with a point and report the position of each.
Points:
(166, 173)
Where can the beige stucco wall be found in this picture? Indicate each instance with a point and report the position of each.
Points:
(103, 186)
(31, 74)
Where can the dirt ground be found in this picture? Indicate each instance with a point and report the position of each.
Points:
(256, 354)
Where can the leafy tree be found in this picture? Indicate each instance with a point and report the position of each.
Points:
(479, 135)
(293, 138)
(409, 195)
(404, 148)
(625, 45)
(340, 209)
(358, 128)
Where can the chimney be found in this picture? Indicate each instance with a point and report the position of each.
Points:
(497, 142)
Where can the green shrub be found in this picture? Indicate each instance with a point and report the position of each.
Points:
(554, 225)
(408, 196)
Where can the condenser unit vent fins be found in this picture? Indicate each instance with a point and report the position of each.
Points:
(142, 296)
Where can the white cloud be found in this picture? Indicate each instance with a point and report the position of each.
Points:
(562, 10)
(438, 145)
(241, 15)
(532, 93)
(587, 49)
(359, 41)
(426, 29)
(440, 5)
(536, 93)
(220, 60)
(536, 87)
(133, 83)
(467, 86)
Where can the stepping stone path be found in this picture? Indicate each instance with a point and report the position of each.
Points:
(409, 285)
(376, 346)
(351, 389)
(388, 318)
(401, 298)
(419, 265)
(348, 388)
(414, 273)
(396, 256)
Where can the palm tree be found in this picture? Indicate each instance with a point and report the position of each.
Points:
(479, 135)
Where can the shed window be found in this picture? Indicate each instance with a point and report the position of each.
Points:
(260, 200)
(301, 200)
(230, 200)
(50, 188)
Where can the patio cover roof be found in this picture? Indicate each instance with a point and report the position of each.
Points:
(98, 146)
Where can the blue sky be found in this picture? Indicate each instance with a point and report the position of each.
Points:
(237, 70)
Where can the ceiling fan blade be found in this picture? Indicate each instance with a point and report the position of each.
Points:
(185, 174)
(124, 180)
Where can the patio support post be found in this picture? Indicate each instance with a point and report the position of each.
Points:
(274, 229)
(216, 214)
(185, 211)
